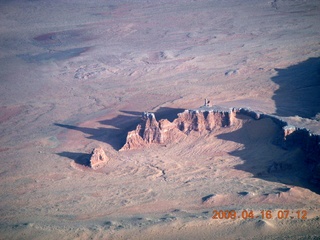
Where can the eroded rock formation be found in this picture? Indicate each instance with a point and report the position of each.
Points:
(98, 158)
(203, 120)
(309, 143)
(206, 119)
(151, 131)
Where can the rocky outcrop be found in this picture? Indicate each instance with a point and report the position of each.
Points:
(151, 131)
(309, 143)
(295, 137)
(98, 158)
(203, 120)
(206, 119)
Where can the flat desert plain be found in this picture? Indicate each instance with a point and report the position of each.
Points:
(78, 74)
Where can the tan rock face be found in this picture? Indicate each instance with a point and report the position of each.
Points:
(164, 132)
(203, 121)
(134, 140)
(98, 158)
(151, 131)
(207, 119)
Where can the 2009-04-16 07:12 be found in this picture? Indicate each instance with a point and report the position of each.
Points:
(263, 214)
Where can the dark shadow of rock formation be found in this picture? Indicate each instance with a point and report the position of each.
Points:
(115, 137)
(118, 127)
(265, 159)
(299, 89)
(53, 56)
(79, 158)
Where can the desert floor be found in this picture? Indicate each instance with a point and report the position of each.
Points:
(78, 74)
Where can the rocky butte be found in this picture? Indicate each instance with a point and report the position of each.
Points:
(207, 119)
(98, 158)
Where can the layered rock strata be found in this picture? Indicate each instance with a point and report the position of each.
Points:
(294, 137)
(206, 119)
(152, 131)
(163, 131)
(202, 120)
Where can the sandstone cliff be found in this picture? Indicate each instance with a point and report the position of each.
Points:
(294, 137)
(206, 119)
(151, 131)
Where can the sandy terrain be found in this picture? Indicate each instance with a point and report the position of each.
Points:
(78, 74)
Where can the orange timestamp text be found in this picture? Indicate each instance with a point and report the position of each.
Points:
(263, 214)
